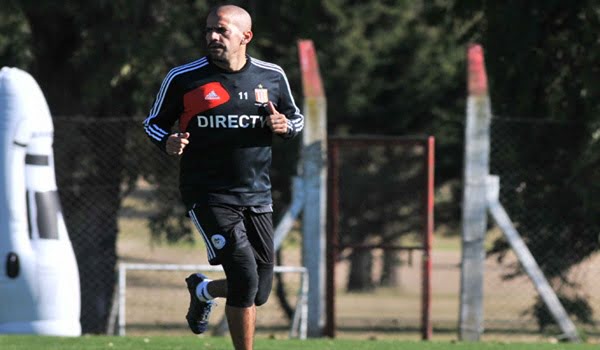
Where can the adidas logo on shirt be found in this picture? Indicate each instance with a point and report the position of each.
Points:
(212, 96)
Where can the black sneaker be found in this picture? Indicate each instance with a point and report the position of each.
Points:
(198, 311)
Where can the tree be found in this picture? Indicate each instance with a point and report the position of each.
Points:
(392, 68)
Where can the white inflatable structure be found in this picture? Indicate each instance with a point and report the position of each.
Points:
(39, 280)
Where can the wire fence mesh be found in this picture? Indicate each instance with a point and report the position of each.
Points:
(121, 203)
(539, 164)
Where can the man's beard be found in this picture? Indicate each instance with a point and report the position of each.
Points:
(217, 52)
(218, 57)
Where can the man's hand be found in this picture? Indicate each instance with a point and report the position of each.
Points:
(176, 143)
(276, 121)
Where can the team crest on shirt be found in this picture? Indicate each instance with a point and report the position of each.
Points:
(262, 95)
(218, 241)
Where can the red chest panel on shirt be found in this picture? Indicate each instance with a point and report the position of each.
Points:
(201, 99)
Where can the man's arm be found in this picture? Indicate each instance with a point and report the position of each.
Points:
(287, 106)
(163, 114)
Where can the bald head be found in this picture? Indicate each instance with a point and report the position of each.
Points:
(228, 32)
(236, 15)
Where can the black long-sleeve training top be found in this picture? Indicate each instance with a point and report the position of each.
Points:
(228, 158)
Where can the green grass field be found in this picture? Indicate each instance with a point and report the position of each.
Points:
(23, 342)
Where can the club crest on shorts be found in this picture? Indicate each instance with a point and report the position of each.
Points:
(261, 94)
(218, 241)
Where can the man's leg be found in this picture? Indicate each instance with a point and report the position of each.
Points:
(242, 323)
(240, 266)
(242, 285)
(260, 234)
(257, 263)
(217, 288)
(241, 320)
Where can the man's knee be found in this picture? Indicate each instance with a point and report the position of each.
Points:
(242, 279)
(261, 298)
(241, 292)
(265, 283)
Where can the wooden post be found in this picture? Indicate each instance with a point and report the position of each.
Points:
(314, 173)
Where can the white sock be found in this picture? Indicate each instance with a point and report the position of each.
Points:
(202, 291)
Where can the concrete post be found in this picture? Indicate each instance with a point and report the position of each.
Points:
(314, 173)
(474, 217)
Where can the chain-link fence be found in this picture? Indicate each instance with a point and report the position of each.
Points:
(540, 164)
(121, 203)
(97, 164)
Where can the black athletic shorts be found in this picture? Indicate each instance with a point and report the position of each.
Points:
(225, 228)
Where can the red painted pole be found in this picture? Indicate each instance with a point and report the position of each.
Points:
(427, 330)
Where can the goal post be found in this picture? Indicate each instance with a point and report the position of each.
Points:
(298, 327)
